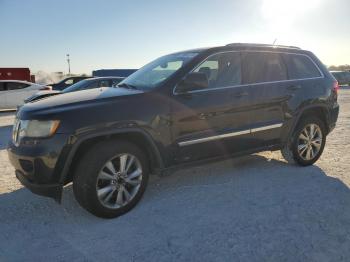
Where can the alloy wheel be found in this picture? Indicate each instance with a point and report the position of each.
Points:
(119, 181)
(310, 142)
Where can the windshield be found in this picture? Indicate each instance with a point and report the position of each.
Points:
(77, 86)
(157, 71)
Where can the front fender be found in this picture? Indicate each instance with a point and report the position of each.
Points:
(76, 141)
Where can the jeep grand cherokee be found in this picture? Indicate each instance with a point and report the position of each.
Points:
(181, 108)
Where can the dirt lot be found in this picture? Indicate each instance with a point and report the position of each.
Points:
(254, 208)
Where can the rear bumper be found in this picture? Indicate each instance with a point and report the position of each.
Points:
(49, 190)
(333, 117)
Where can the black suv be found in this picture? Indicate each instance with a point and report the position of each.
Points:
(181, 108)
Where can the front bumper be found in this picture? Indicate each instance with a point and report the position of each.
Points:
(38, 165)
(49, 190)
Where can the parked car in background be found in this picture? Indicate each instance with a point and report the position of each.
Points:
(181, 108)
(14, 92)
(61, 85)
(113, 72)
(343, 77)
(90, 83)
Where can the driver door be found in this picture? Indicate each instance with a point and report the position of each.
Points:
(213, 121)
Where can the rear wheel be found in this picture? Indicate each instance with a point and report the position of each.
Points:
(111, 178)
(307, 143)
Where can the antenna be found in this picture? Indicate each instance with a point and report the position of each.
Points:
(68, 61)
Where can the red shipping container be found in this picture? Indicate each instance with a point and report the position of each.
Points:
(15, 74)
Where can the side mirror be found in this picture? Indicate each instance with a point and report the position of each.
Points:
(193, 81)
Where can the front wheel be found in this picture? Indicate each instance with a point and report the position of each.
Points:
(307, 143)
(111, 178)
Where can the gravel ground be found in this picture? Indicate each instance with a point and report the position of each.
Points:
(253, 208)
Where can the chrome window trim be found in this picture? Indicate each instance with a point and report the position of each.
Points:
(253, 84)
(232, 134)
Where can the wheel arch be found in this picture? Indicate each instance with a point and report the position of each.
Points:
(136, 136)
(318, 110)
(321, 111)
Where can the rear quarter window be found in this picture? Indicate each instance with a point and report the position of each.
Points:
(301, 66)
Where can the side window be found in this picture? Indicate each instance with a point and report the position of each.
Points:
(16, 86)
(222, 70)
(94, 84)
(261, 67)
(104, 83)
(2, 86)
(69, 81)
(116, 82)
(300, 66)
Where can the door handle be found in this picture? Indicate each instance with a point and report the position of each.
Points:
(203, 116)
(240, 94)
(293, 88)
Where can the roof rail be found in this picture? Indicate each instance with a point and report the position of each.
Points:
(262, 45)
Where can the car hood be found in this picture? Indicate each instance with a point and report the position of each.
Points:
(78, 98)
(41, 93)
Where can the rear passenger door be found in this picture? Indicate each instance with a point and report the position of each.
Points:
(266, 75)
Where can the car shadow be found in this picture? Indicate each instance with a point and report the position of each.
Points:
(5, 135)
(250, 208)
(7, 111)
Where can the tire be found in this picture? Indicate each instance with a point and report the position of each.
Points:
(298, 152)
(101, 186)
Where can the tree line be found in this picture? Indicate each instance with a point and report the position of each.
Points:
(339, 68)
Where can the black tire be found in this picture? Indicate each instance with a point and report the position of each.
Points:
(88, 169)
(290, 152)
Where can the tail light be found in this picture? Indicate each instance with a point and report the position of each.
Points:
(46, 88)
(335, 89)
(336, 86)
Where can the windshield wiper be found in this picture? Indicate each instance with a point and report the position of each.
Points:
(127, 86)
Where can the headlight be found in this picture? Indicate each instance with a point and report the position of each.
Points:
(34, 128)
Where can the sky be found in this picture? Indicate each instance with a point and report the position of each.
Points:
(129, 33)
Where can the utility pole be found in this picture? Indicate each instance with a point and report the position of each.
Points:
(68, 61)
